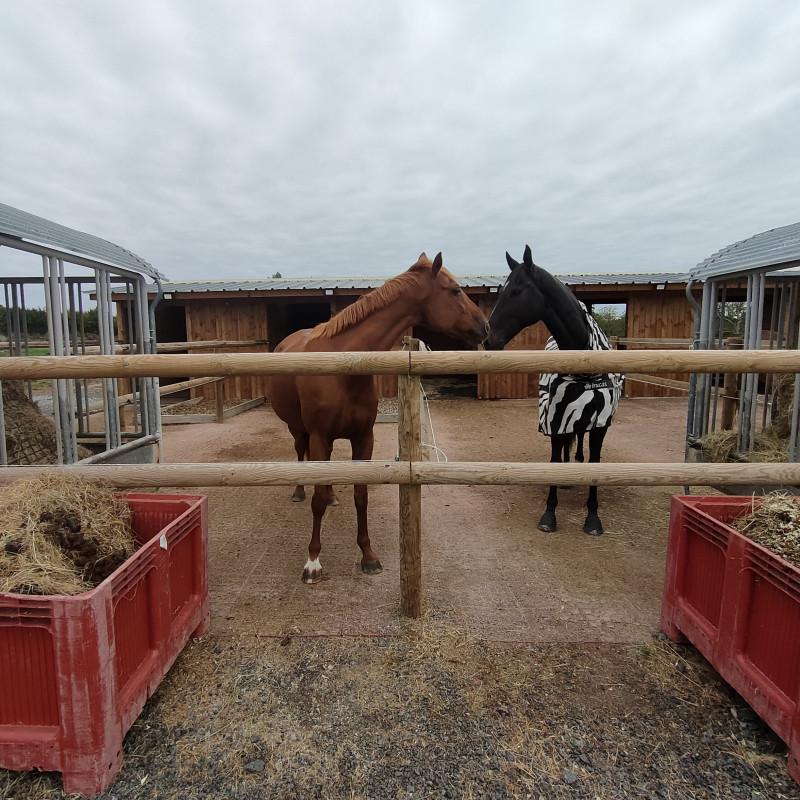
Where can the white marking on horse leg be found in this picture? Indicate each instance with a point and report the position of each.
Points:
(312, 571)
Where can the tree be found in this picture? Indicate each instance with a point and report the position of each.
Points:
(733, 317)
(36, 322)
(277, 275)
(610, 320)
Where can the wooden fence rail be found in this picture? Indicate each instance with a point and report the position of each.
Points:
(398, 363)
(422, 473)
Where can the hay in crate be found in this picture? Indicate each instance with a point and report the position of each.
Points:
(60, 535)
(774, 523)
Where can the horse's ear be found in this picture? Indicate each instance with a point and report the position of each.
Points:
(527, 258)
(422, 257)
(437, 264)
(511, 263)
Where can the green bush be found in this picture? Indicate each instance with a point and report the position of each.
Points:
(610, 320)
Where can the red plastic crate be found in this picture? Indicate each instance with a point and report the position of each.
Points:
(77, 671)
(739, 605)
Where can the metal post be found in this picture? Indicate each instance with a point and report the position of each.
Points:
(3, 450)
(701, 391)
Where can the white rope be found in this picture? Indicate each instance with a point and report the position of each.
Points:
(431, 446)
(434, 447)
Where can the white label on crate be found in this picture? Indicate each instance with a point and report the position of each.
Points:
(163, 541)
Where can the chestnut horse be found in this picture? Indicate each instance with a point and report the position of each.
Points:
(318, 409)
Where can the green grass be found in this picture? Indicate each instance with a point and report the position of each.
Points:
(34, 351)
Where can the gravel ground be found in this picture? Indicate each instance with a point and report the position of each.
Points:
(433, 713)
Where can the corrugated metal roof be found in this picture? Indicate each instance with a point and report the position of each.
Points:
(274, 284)
(776, 248)
(371, 282)
(37, 230)
(620, 278)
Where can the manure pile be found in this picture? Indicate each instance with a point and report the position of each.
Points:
(60, 535)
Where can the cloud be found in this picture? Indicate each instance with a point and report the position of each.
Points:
(344, 138)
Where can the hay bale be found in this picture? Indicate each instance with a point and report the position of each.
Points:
(769, 446)
(30, 435)
(782, 405)
(719, 446)
(60, 535)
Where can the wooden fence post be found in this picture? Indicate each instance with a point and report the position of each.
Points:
(219, 401)
(408, 432)
(730, 390)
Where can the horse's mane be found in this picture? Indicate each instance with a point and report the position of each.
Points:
(376, 300)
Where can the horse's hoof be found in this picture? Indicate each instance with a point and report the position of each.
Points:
(298, 498)
(334, 501)
(593, 526)
(548, 522)
(312, 572)
(371, 567)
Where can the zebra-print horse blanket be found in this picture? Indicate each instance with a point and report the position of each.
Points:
(575, 403)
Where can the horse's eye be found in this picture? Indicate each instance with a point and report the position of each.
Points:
(515, 292)
(457, 291)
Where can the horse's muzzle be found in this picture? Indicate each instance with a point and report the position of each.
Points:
(493, 342)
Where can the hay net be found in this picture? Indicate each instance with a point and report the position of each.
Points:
(60, 535)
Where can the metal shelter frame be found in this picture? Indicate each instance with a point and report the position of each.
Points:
(763, 262)
(107, 268)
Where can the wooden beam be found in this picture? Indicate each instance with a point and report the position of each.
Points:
(174, 347)
(170, 388)
(398, 362)
(423, 473)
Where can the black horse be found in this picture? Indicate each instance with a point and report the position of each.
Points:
(569, 405)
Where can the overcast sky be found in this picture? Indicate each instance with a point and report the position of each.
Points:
(222, 140)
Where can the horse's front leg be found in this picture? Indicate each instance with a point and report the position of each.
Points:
(319, 450)
(548, 521)
(362, 451)
(593, 526)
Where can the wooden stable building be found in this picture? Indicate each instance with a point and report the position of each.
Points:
(254, 316)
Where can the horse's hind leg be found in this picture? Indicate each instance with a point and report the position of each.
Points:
(548, 521)
(301, 448)
(593, 526)
(362, 451)
(567, 446)
(579, 448)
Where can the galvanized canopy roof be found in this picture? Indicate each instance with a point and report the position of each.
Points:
(778, 248)
(33, 230)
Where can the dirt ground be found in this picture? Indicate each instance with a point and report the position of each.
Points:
(537, 670)
(482, 553)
